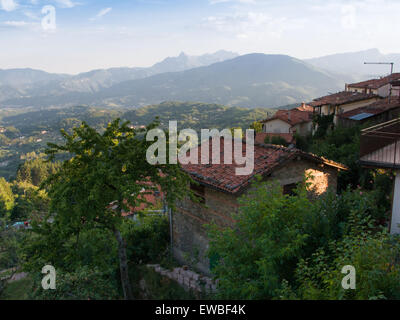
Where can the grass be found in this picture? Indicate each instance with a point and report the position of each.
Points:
(17, 290)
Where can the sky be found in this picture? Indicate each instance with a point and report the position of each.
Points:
(72, 36)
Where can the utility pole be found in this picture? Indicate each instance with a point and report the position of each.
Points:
(391, 72)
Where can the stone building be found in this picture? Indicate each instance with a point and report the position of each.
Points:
(219, 188)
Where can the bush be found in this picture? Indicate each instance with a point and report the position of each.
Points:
(269, 238)
(376, 261)
(276, 140)
(147, 239)
(82, 284)
(294, 247)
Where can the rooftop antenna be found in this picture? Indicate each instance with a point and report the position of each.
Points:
(391, 72)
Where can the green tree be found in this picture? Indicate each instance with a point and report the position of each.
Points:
(83, 284)
(6, 198)
(276, 140)
(273, 231)
(30, 201)
(107, 168)
(257, 126)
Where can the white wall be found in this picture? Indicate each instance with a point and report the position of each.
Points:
(276, 126)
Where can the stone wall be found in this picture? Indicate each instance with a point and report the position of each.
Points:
(187, 279)
(189, 232)
(324, 177)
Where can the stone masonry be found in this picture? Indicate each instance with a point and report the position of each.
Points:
(187, 279)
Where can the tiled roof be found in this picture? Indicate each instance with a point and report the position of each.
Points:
(373, 109)
(375, 83)
(292, 117)
(148, 197)
(223, 177)
(151, 199)
(260, 137)
(342, 97)
(305, 107)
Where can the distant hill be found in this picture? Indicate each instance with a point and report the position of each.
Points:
(20, 83)
(253, 80)
(197, 116)
(185, 62)
(352, 63)
(24, 131)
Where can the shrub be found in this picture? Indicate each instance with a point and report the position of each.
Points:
(83, 284)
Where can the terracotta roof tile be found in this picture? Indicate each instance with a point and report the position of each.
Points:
(342, 97)
(266, 158)
(292, 117)
(375, 83)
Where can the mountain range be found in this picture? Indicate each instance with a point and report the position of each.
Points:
(352, 63)
(252, 80)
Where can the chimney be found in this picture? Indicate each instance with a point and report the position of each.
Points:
(289, 116)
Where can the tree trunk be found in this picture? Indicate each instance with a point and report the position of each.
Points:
(123, 266)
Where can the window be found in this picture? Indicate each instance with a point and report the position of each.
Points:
(199, 192)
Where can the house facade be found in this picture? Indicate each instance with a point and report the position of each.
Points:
(378, 112)
(219, 188)
(298, 120)
(381, 87)
(342, 102)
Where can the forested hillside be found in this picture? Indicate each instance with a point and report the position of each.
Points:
(27, 132)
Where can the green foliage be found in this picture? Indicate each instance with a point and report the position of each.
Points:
(269, 238)
(197, 116)
(4, 140)
(106, 175)
(17, 290)
(83, 284)
(10, 240)
(106, 168)
(343, 145)
(30, 202)
(294, 247)
(257, 126)
(7, 199)
(324, 124)
(147, 239)
(375, 258)
(303, 143)
(36, 171)
(67, 250)
(276, 140)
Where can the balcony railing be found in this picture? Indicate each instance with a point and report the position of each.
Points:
(380, 145)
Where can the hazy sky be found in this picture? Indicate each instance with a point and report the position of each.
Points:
(90, 34)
